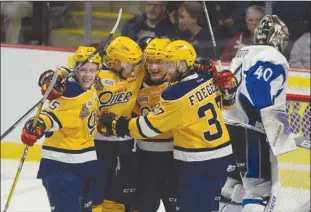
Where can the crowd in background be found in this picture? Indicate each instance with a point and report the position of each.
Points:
(233, 24)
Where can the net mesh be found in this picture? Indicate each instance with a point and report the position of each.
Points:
(295, 166)
(299, 115)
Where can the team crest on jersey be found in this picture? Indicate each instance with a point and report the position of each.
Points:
(143, 99)
(84, 112)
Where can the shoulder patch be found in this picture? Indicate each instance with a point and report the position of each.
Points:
(108, 82)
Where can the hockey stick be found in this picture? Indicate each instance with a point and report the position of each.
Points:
(102, 45)
(212, 35)
(19, 121)
(27, 147)
(214, 40)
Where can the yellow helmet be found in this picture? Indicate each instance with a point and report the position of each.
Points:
(124, 50)
(154, 49)
(70, 61)
(83, 52)
(180, 50)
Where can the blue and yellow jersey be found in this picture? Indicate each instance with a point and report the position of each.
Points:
(117, 95)
(70, 129)
(147, 101)
(189, 109)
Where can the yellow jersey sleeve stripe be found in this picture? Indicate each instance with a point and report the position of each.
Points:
(146, 128)
(139, 128)
(55, 123)
(151, 126)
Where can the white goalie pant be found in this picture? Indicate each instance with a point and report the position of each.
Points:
(253, 156)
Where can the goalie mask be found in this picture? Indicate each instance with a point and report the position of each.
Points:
(272, 31)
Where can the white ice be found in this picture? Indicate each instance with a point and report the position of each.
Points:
(29, 194)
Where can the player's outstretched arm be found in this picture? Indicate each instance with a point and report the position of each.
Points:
(165, 117)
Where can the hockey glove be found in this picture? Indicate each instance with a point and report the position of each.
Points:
(205, 65)
(227, 84)
(101, 128)
(115, 125)
(44, 82)
(30, 135)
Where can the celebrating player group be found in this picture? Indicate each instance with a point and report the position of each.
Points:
(140, 123)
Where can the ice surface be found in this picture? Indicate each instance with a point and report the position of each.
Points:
(29, 194)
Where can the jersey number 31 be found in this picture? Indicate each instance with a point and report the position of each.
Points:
(213, 121)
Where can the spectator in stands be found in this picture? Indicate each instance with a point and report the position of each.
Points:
(13, 13)
(193, 28)
(254, 14)
(153, 22)
(300, 53)
(227, 16)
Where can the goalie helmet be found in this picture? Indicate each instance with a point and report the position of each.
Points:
(272, 31)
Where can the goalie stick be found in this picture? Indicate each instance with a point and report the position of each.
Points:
(53, 81)
(99, 49)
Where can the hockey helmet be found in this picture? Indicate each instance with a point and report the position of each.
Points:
(178, 51)
(154, 49)
(123, 49)
(82, 53)
(144, 42)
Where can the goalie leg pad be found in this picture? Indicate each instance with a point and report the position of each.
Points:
(233, 190)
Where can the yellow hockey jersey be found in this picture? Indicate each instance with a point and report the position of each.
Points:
(70, 129)
(118, 96)
(189, 109)
(147, 101)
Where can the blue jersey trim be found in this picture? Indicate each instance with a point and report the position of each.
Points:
(73, 89)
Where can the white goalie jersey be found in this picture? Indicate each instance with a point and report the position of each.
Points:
(262, 73)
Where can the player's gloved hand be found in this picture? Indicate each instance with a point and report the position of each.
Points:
(101, 128)
(115, 125)
(205, 65)
(31, 135)
(227, 84)
(45, 81)
(225, 80)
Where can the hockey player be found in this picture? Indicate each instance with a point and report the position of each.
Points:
(156, 171)
(117, 90)
(258, 123)
(69, 163)
(202, 150)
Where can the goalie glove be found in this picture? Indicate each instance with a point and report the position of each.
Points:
(115, 125)
(30, 135)
(45, 81)
(227, 84)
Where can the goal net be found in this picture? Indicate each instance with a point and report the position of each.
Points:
(295, 166)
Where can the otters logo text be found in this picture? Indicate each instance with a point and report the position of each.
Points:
(108, 98)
